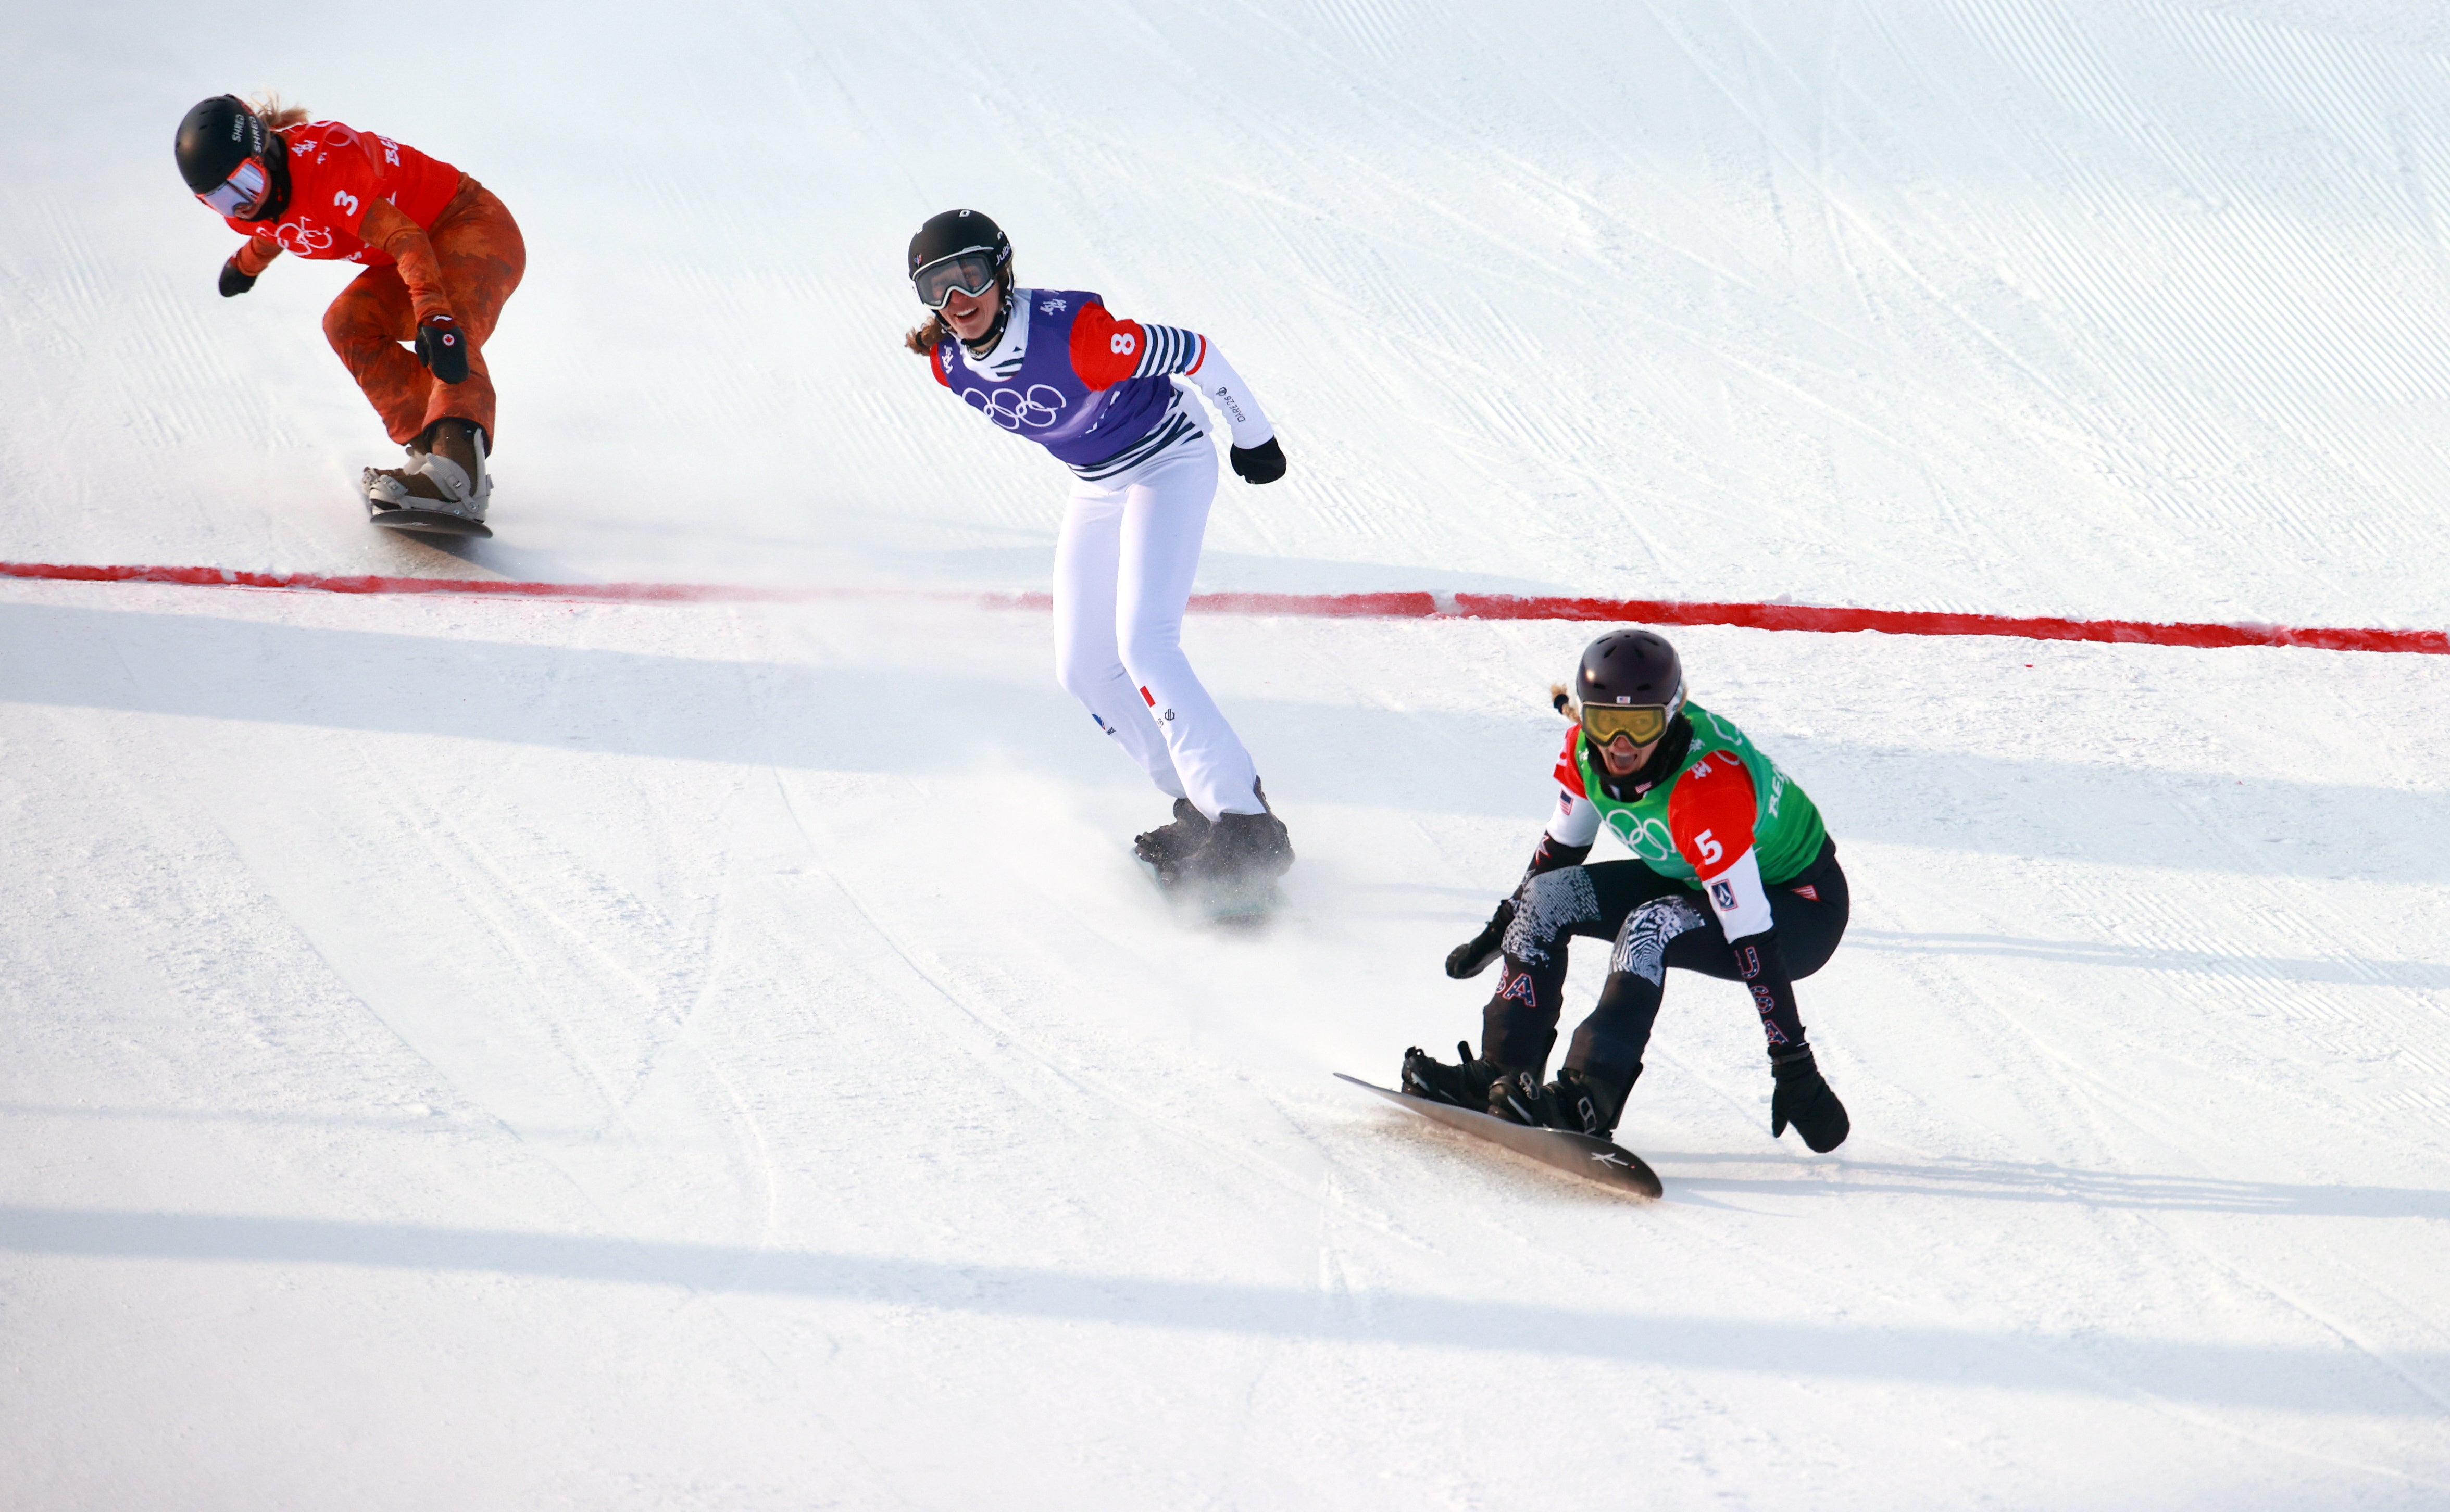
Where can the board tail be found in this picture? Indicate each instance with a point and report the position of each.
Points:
(1577, 1155)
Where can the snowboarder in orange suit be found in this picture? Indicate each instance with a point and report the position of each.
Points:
(441, 255)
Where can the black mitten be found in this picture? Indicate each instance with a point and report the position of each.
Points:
(235, 279)
(442, 346)
(1472, 957)
(1804, 1100)
(1263, 464)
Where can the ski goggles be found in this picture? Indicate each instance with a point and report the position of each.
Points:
(970, 273)
(1640, 723)
(241, 192)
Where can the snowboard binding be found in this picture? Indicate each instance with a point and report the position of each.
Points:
(442, 491)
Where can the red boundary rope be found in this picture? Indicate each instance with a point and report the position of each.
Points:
(1374, 606)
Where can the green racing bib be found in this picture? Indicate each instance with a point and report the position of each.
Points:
(1787, 831)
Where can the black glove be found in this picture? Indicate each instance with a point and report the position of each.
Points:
(1263, 464)
(1804, 1100)
(235, 279)
(1472, 957)
(442, 346)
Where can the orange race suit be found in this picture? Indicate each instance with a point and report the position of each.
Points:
(434, 242)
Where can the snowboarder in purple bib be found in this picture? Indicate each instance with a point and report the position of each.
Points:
(1733, 876)
(1053, 366)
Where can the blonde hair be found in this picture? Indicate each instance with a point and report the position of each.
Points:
(276, 113)
(924, 341)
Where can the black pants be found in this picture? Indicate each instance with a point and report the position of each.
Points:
(1656, 923)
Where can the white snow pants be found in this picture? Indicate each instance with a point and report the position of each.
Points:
(1123, 565)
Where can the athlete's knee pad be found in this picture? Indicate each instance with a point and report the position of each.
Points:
(1547, 910)
(1641, 943)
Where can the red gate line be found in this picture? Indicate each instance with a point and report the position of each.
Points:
(1393, 605)
(1934, 622)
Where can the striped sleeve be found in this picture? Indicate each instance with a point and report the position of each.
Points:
(1106, 351)
(1171, 349)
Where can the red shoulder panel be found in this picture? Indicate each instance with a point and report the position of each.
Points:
(1105, 351)
(940, 362)
(1710, 813)
(1569, 772)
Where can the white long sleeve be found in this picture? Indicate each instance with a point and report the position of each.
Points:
(1230, 398)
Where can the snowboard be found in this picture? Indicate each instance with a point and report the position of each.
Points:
(1577, 1155)
(1241, 908)
(428, 522)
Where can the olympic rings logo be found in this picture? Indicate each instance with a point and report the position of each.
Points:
(301, 239)
(1012, 409)
(1646, 836)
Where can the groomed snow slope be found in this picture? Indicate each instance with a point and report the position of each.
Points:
(489, 1053)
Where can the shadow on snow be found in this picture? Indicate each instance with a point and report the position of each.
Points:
(852, 719)
(2254, 1377)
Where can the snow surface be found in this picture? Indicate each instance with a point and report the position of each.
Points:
(495, 1054)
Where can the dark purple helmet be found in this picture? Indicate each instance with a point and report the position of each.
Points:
(1630, 683)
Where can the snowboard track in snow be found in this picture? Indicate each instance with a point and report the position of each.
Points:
(1396, 604)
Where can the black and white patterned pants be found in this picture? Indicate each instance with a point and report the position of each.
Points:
(1655, 923)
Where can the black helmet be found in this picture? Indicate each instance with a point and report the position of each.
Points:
(1630, 683)
(954, 233)
(958, 249)
(217, 136)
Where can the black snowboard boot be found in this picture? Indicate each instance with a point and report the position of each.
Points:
(1466, 1085)
(1522, 1098)
(1243, 852)
(1804, 1100)
(1569, 1103)
(1166, 848)
(1246, 844)
(1592, 1104)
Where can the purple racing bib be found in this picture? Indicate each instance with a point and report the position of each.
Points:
(1045, 401)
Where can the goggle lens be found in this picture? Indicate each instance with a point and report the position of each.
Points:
(242, 190)
(1640, 723)
(970, 273)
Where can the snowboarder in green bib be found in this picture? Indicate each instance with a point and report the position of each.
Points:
(1735, 878)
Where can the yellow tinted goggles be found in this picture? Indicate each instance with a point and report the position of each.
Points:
(1640, 723)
